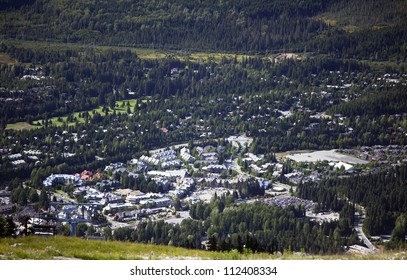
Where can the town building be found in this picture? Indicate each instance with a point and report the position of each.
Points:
(64, 179)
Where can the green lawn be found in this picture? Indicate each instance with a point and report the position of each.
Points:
(20, 126)
(121, 108)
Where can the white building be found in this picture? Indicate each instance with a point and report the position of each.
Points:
(217, 168)
(158, 202)
(186, 155)
(339, 165)
(64, 179)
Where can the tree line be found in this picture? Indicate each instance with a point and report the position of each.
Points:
(382, 193)
(257, 227)
(7, 226)
(238, 26)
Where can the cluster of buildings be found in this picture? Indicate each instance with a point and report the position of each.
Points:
(182, 188)
(129, 200)
(167, 168)
(23, 157)
(88, 176)
(214, 168)
(291, 200)
(379, 153)
(5, 202)
(114, 166)
(63, 179)
(76, 213)
(16, 159)
(78, 179)
(165, 159)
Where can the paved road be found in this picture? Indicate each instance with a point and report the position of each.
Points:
(359, 229)
(174, 147)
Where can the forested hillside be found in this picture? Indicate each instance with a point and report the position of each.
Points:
(382, 194)
(238, 26)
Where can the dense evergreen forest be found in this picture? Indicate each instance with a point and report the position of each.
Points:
(247, 227)
(391, 103)
(383, 194)
(238, 26)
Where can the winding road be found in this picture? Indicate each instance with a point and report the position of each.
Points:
(371, 249)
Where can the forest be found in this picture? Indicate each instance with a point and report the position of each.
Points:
(382, 194)
(237, 26)
(253, 227)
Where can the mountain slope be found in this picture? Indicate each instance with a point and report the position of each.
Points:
(238, 26)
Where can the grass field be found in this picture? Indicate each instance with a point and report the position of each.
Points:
(121, 108)
(143, 53)
(20, 126)
(6, 59)
(61, 247)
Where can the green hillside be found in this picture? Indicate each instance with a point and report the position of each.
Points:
(59, 247)
(232, 26)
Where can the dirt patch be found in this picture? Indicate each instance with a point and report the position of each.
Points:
(6, 59)
(285, 56)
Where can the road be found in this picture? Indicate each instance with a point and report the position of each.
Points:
(173, 147)
(359, 229)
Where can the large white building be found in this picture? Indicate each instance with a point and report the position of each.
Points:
(64, 179)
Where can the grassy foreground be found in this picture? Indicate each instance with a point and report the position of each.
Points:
(61, 247)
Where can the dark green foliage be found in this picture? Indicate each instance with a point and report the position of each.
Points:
(263, 228)
(14, 4)
(242, 26)
(392, 102)
(81, 229)
(399, 233)
(257, 227)
(33, 196)
(226, 25)
(7, 226)
(43, 201)
(140, 183)
(325, 196)
(383, 194)
(19, 195)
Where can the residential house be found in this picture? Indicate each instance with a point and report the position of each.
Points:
(215, 168)
(64, 179)
(86, 176)
(186, 155)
